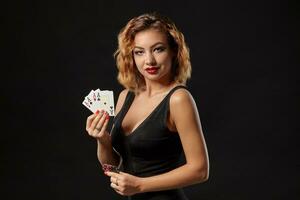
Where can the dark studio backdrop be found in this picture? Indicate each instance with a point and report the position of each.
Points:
(244, 56)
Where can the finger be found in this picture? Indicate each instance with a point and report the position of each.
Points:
(89, 120)
(113, 180)
(119, 192)
(117, 188)
(105, 124)
(95, 121)
(122, 173)
(101, 121)
(112, 174)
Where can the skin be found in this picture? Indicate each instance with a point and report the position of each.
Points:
(153, 53)
(152, 49)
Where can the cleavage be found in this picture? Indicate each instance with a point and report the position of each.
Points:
(138, 113)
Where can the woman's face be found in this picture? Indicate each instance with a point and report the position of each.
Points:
(152, 55)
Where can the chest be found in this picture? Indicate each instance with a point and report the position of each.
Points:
(140, 110)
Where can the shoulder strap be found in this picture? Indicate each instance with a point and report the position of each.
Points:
(167, 102)
(126, 105)
(174, 89)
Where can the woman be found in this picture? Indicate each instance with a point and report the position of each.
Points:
(156, 117)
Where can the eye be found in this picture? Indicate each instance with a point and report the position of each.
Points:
(159, 49)
(138, 52)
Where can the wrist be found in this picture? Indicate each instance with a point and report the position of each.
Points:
(105, 140)
(141, 185)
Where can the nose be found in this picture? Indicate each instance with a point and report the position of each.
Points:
(150, 59)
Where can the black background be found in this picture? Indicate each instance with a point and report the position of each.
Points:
(244, 56)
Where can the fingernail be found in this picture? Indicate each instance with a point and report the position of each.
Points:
(97, 112)
(107, 116)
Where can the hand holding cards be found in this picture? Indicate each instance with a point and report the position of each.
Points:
(100, 100)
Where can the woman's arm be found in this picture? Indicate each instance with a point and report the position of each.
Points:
(184, 114)
(185, 117)
(105, 151)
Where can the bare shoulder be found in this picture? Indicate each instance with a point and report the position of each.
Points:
(184, 114)
(181, 96)
(182, 104)
(121, 100)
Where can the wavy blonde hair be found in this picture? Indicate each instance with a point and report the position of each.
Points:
(128, 74)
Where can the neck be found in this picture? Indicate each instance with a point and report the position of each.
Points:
(153, 88)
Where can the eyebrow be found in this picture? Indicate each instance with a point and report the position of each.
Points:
(151, 45)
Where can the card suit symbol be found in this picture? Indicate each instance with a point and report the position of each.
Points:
(104, 103)
(87, 104)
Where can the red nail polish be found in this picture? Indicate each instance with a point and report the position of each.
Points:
(97, 112)
(107, 116)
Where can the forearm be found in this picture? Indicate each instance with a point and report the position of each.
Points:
(106, 154)
(177, 178)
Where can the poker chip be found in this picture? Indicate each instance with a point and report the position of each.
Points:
(109, 168)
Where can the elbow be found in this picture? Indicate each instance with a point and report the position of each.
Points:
(98, 157)
(205, 176)
(201, 175)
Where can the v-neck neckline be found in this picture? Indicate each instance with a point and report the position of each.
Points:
(139, 125)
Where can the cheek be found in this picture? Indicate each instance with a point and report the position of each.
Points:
(138, 63)
(136, 60)
(167, 60)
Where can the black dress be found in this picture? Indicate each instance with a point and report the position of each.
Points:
(151, 148)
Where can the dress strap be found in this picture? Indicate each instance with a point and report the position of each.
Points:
(166, 103)
(126, 105)
(130, 97)
(174, 89)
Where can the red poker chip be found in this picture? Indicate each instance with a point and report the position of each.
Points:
(110, 168)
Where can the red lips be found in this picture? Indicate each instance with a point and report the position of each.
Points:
(152, 70)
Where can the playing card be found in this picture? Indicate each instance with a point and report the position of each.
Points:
(88, 102)
(111, 104)
(98, 97)
(91, 99)
(107, 101)
(100, 100)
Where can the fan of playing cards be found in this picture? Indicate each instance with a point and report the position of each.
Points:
(100, 100)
